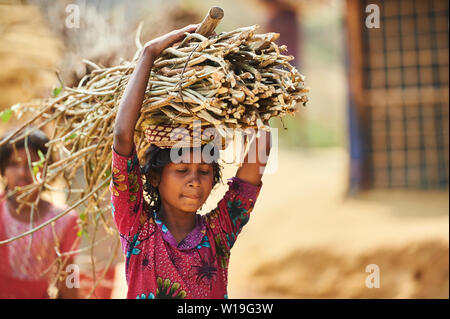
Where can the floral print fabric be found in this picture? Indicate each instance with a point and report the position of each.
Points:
(25, 263)
(159, 267)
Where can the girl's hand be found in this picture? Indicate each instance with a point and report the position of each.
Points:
(156, 46)
(133, 96)
(255, 161)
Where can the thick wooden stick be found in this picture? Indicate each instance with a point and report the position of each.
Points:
(210, 22)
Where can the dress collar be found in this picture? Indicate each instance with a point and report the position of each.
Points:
(192, 240)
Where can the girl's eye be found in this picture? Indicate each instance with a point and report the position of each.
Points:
(204, 172)
(13, 164)
(184, 170)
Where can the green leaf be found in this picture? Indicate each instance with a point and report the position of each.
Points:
(71, 136)
(6, 115)
(41, 155)
(83, 232)
(35, 170)
(107, 173)
(56, 91)
(39, 163)
(83, 216)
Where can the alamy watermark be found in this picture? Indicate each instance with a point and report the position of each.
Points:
(73, 16)
(73, 276)
(373, 280)
(373, 18)
(239, 145)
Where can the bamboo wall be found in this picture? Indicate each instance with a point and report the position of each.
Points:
(399, 83)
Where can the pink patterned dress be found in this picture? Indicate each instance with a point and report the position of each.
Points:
(25, 264)
(159, 267)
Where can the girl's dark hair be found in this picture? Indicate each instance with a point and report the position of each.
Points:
(155, 159)
(36, 141)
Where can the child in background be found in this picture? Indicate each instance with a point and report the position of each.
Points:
(25, 271)
(171, 251)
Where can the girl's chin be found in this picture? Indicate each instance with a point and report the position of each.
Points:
(190, 206)
(188, 210)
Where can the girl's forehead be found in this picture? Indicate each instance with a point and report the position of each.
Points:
(190, 163)
(196, 156)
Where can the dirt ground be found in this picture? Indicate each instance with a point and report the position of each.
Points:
(306, 239)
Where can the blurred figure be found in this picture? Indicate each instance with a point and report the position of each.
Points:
(27, 263)
(283, 20)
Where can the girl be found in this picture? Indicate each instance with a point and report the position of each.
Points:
(170, 250)
(25, 262)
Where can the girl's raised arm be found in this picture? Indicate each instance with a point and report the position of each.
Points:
(234, 209)
(252, 168)
(133, 96)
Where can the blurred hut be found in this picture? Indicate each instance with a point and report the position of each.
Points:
(399, 100)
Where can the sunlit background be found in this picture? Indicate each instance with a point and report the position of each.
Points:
(362, 174)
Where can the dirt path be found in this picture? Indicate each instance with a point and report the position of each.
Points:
(306, 240)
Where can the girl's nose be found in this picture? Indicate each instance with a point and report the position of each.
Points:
(24, 172)
(194, 180)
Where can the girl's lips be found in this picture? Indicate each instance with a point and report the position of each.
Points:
(195, 197)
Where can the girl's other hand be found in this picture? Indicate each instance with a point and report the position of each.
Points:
(156, 46)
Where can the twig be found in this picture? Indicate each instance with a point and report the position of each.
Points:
(106, 268)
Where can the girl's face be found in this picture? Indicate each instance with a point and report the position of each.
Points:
(186, 186)
(17, 170)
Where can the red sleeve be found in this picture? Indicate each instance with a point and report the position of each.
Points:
(233, 210)
(126, 192)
